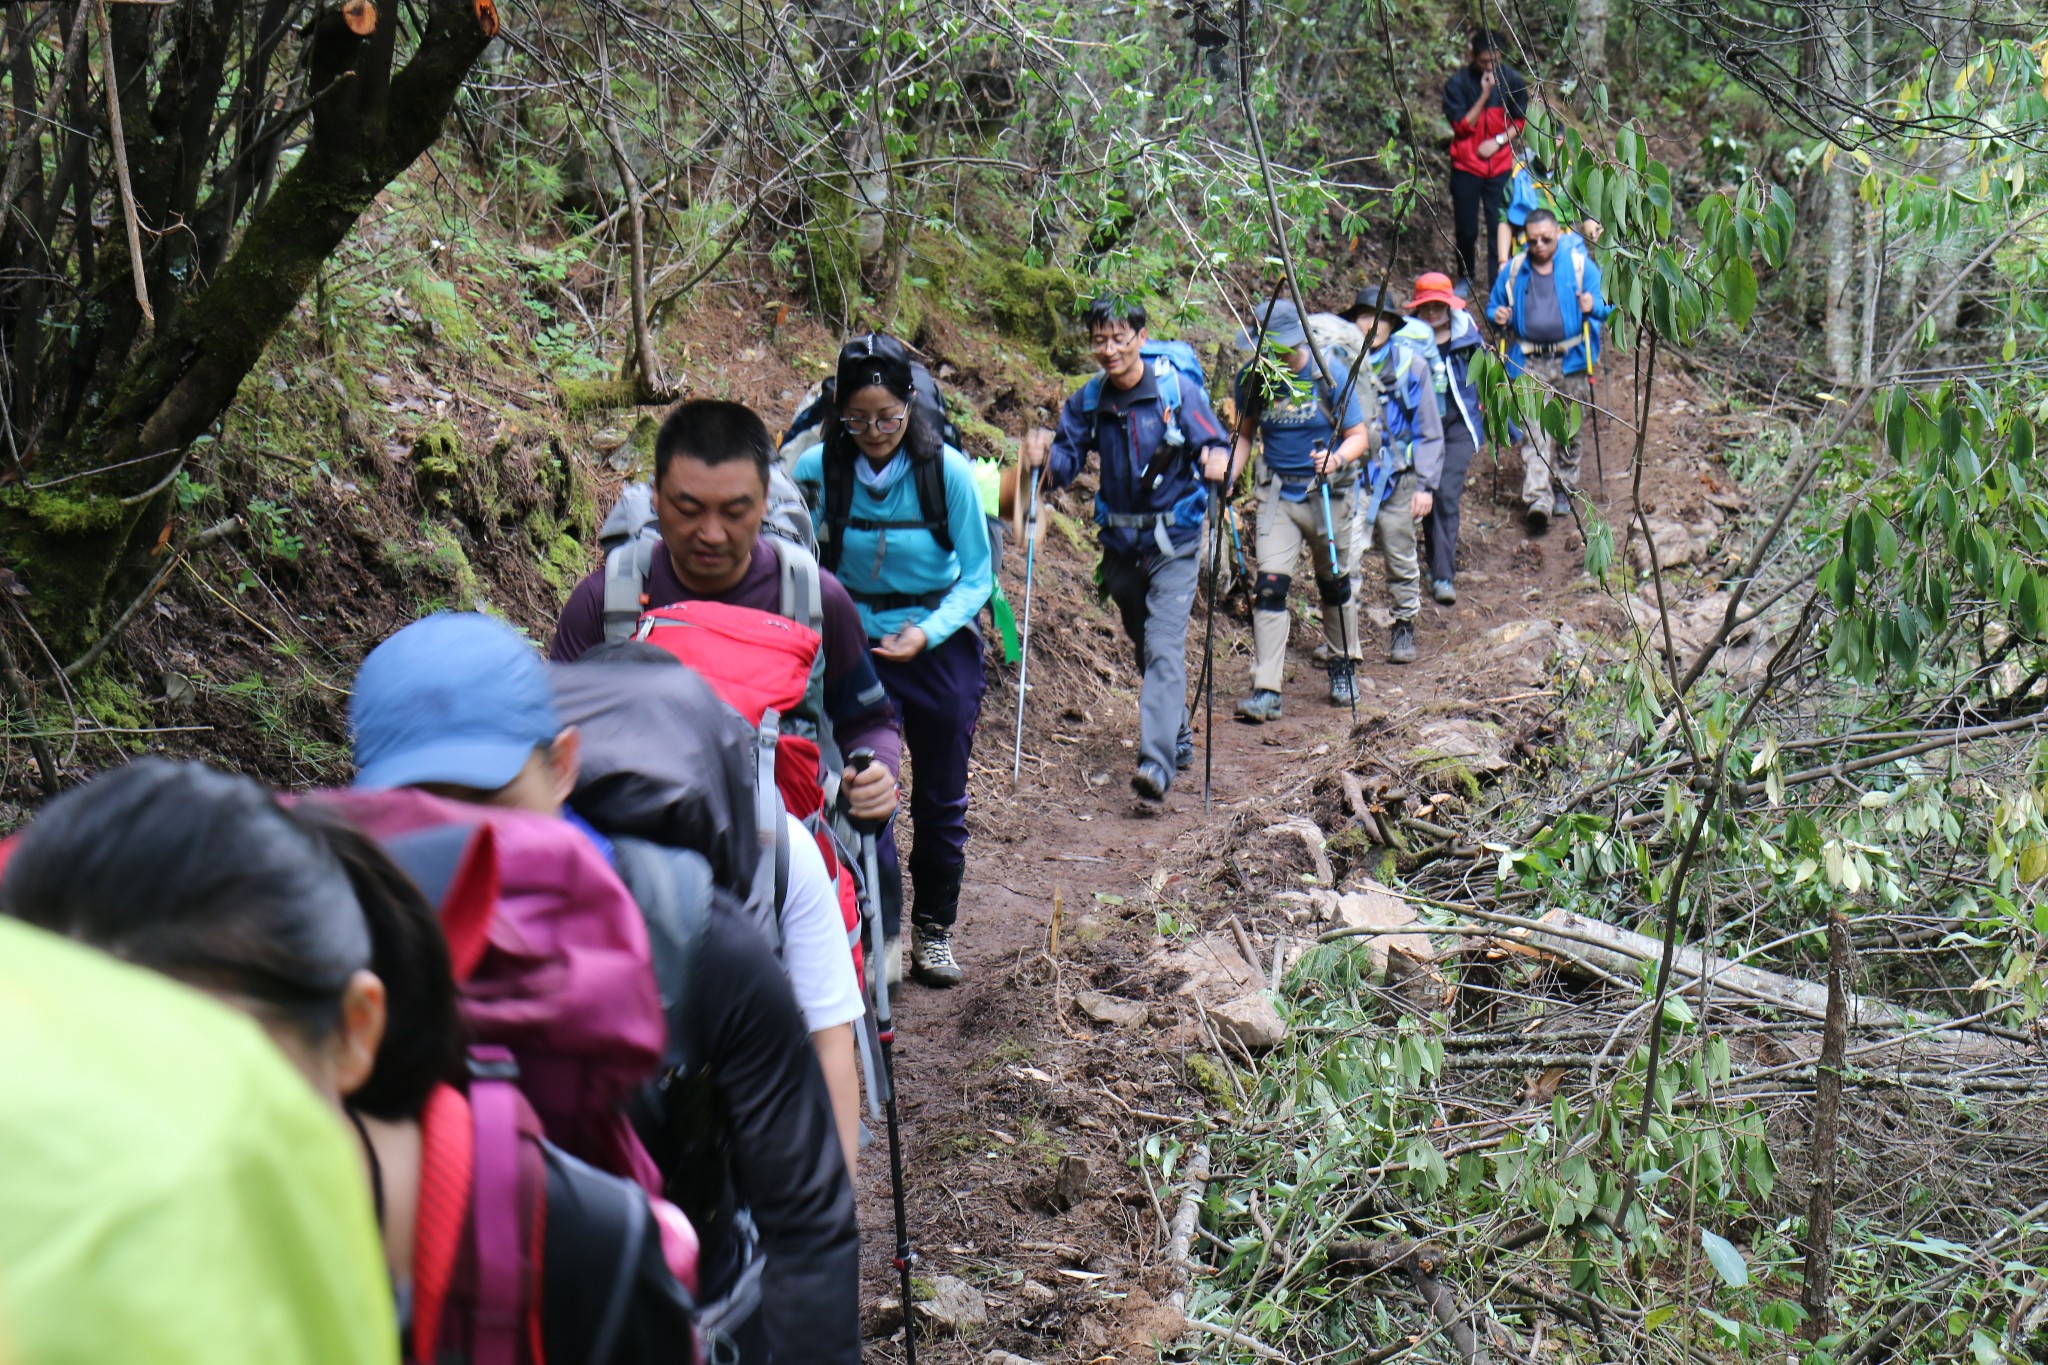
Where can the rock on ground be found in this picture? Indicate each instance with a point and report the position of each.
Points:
(1214, 968)
(1448, 751)
(1110, 1009)
(1372, 906)
(1285, 840)
(955, 1305)
(1250, 1021)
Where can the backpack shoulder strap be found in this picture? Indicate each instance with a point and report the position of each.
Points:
(1578, 271)
(625, 585)
(930, 477)
(836, 483)
(800, 597)
(494, 1104)
(447, 1170)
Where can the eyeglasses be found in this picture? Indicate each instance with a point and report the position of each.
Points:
(1106, 342)
(1536, 239)
(881, 426)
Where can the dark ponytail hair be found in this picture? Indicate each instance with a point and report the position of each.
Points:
(423, 1030)
(200, 875)
(867, 361)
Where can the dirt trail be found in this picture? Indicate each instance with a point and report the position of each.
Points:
(1003, 1076)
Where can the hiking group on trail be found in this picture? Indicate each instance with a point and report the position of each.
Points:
(585, 971)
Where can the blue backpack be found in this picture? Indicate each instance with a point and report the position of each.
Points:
(1173, 362)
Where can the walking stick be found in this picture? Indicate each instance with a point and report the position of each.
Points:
(1209, 653)
(1592, 401)
(1024, 664)
(885, 1033)
(1337, 572)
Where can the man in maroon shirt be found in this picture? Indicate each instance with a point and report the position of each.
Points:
(710, 494)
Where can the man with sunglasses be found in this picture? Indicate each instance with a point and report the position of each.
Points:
(1552, 309)
(1148, 417)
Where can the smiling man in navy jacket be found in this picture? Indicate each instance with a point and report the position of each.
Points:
(1148, 417)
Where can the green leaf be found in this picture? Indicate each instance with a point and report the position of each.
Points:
(2022, 439)
(1726, 1260)
(1741, 285)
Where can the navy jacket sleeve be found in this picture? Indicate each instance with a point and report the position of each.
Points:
(1070, 444)
(785, 1153)
(1199, 422)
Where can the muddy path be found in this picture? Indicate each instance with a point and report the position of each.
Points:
(1004, 1077)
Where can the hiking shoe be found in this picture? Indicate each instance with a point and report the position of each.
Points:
(1343, 682)
(1537, 518)
(1401, 649)
(1561, 506)
(892, 960)
(1151, 781)
(1444, 591)
(1184, 751)
(1260, 707)
(931, 956)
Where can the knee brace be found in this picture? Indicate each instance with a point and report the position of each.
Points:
(1335, 591)
(1270, 594)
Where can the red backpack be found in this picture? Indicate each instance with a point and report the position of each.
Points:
(767, 667)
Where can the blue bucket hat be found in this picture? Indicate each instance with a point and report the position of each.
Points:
(457, 698)
(1283, 325)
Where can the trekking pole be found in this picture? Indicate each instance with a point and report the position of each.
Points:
(885, 1031)
(1024, 664)
(1592, 401)
(1209, 652)
(1337, 572)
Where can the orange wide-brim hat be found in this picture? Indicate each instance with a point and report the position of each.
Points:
(1435, 287)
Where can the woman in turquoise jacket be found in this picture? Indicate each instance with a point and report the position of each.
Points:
(900, 522)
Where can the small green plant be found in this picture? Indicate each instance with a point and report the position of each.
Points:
(271, 530)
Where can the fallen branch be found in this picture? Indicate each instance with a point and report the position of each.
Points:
(1235, 1338)
(1183, 1232)
(1421, 1262)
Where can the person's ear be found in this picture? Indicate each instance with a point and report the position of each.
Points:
(565, 763)
(361, 1032)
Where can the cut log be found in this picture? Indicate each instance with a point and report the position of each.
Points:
(1622, 952)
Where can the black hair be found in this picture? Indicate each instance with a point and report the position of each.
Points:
(423, 1030)
(1485, 40)
(866, 360)
(200, 875)
(1540, 216)
(1114, 308)
(713, 431)
(627, 652)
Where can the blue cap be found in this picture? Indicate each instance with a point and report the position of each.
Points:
(456, 698)
(1283, 324)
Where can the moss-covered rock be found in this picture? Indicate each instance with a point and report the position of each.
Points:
(1209, 1076)
(596, 395)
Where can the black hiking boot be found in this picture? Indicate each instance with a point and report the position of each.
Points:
(1537, 518)
(1343, 682)
(1401, 649)
(1184, 750)
(1560, 506)
(1151, 781)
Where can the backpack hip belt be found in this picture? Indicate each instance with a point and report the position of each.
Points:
(897, 601)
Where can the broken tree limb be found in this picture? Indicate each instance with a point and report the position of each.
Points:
(1422, 1263)
(1183, 1233)
(1820, 1208)
(1621, 951)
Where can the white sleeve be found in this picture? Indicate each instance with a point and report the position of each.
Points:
(814, 948)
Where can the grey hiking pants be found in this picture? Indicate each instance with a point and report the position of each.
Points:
(1549, 465)
(1393, 533)
(1156, 595)
(1285, 530)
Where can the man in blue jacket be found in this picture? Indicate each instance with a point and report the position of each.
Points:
(1551, 304)
(1159, 441)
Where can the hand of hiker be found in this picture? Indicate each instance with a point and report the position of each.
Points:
(1216, 464)
(1502, 314)
(1037, 448)
(1592, 231)
(1585, 304)
(1420, 503)
(870, 795)
(905, 645)
(1486, 84)
(1327, 462)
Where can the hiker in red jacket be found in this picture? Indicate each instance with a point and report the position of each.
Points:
(1486, 101)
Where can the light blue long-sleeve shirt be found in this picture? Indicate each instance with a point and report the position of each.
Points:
(910, 562)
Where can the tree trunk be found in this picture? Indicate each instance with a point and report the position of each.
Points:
(92, 506)
(1827, 1101)
(1593, 41)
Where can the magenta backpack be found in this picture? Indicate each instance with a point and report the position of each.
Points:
(565, 981)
